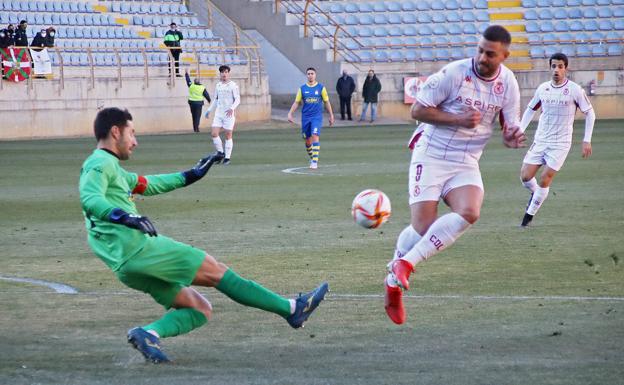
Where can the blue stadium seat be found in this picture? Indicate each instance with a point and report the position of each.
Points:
(613, 37)
(470, 29)
(440, 41)
(562, 26)
(410, 40)
(424, 18)
(468, 16)
(549, 39)
(560, 14)
(534, 39)
(393, 18)
(365, 56)
(437, 5)
(351, 20)
(617, 2)
(618, 12)
(366, 19)
(583, 50)
(597, 36)
(381, 56)
(588, 2)
(396, 56)
(528, 3)
(412, 55)
(455, 40)
(454, 29)
(581, 36)
(551, 50)
(568, 50)
(605, 25)
(482, 27)
(351, 8)
(395, 31)
(559, 3)
(442, 54)
(380, 32)
(614, 50)
(599, 50)
(438, 17)
(457, 53)
(575, 13)
(379, 6)
(410, 31)
(466, 4)
(482, 16)
(544, 3)
(423, 5)
(409, 18)
(590, 13)
(408, 6)
(424, 30)
(605, 12)
(365, 32)
(531, 14)
(546, 26)
(65, 6)
(565, 38)
(440, 29)
(591, 25)
(603, 2)
(451, 4)
(545, 14)
(336, 8)
(619, 25)
(427, 55)
(576, 25)
(393, 6)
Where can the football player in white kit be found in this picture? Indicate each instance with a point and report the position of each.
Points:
(227, 98)
(559, 99)
(457, 107)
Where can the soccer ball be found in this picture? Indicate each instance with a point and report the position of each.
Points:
(371, 208)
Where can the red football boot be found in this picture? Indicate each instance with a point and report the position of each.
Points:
(393, 303)
(402, 270)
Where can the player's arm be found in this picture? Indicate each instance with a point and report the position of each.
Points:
(295, 105)
(513, 137)
(328, 106)
(590, 117)
(93, 185)
(437, 89)
(236, 96)
(213, 105)
(532, 107)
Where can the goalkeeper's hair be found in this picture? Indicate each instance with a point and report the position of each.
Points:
(107, 118)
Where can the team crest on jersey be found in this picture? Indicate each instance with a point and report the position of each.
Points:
(316, 92)
(433, 82)
(468, 79)
(566, 91)
(499, 88)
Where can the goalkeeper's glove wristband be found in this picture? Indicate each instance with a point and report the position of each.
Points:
(133, 221)
(201, 168)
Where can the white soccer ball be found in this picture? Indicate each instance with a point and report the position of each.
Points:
(371, 208)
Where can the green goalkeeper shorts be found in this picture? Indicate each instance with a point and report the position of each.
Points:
(162, 268)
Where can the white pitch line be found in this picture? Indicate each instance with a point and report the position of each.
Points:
(483, 297)
(293, 170)
(58, 287)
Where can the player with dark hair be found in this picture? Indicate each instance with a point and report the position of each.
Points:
(144, 260)
(559, 99)
(312, 95)
(227, 98)
(457, 108)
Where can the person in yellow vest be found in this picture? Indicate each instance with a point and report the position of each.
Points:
(197, 94)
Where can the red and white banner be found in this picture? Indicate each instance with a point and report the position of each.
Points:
(16, 64)
(411, 86)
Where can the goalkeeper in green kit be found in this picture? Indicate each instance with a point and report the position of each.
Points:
(144, 260)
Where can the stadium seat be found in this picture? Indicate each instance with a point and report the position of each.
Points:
(545, 14)
(599, 50)
(412, 55)
(423, 5)
(482, 16)
(366, 19)
(336, 8)
(560, 14)
(618, 12)
(613, 37)
(482, 27)
(437, 5)
(393, 18)
(531, 14)
(455, 40)
(568, 50)
(451, 5)
(528, 3)
(559, 3)
(544, 3)
(575, 13)
(471, 29)
(365, 56)
(466, 4)
(410, 31)
(619, 25)
(351, 8)
(351, 20)
(614, 50)
(565, 38)
(588, 2)
(583, 50)
(468, 16)
(379, 6)
(591, 25)
(427, 55)
(576, 25)
(561, 26)
(549, 39)
(365, 32)
(454, 29)
(597, 36)
(380, 32)
(605, 12)
(395, 31)
(590, 13)
(396, 56)
(409, 18)
(551, 50)
(534, 39)
(424, 18)
(440, 30)
(424, 30)
(393, 6)
(605, 25)
(408, 6)
(365, 7)
(438, 17)
(381, 56)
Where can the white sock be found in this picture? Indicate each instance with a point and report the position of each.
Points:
(153, 332)
(531, 184)
(229, 143)
(293, 305)
(539, 196)
(217, 143)
(441, 234)
(407, 239)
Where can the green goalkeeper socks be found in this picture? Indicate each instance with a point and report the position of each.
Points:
(177, 322)
(250, 293)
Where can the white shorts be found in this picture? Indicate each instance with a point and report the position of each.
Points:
(553, 155)
(431, 179)
(224, 121)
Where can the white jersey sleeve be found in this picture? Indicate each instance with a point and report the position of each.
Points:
(510, 112)
(437, 88)
(581, 100)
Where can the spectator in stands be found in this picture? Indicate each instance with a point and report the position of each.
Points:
(38, 42)
(345, 87)
(197, 93)
(6, 37)
(21, 39)
(49, 41)
(370, 90)
(173, 37)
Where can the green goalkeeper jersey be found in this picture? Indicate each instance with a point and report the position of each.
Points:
(104, 186)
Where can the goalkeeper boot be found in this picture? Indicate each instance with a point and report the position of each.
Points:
(305, 305)
(402, 270)
(219, 157)
(393, 303)
(148, 344)
(226, 161)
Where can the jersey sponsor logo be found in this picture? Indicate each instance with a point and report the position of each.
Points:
(316, 92)
(555, 101)
(312, 100)
(566, 91)
(478, 104)
(499, 88)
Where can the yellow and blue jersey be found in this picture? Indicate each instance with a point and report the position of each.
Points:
(313, 97)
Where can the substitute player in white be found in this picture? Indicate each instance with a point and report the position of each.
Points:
(457, 108)
(227, 98)
(559, 100)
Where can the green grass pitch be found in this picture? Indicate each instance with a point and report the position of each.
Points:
(502, 306)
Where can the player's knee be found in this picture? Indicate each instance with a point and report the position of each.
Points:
(471, 215)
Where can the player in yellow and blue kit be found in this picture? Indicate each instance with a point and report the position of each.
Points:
(312, 95)
(145, 260)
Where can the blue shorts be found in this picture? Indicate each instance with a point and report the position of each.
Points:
(311, 127)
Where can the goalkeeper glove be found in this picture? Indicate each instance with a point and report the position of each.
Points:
(201, 168)
(133, 221)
